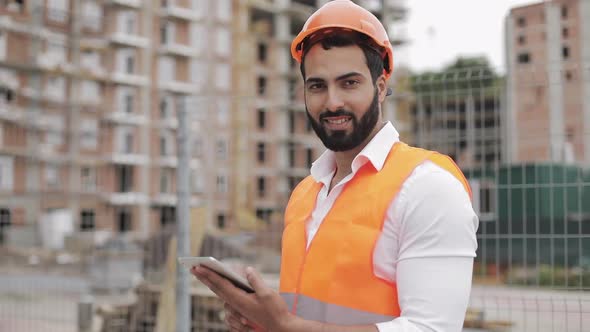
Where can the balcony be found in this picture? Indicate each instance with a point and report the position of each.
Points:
(47, 62)
(48, 153)
(126, 118)
(167, 161)
(371, 5)
(178, 50)
(398, 34)
(96, 73)
(164, 199)
(93, 44)
(397, 9)
(9, 79)
(49, 123)
(295, 171)
(129, 39)
(126, 3)
(128, 198)
(182, 13)
(129, 79)
(85, 97)
(11, 113)
(32, 94)
(178, 87)
(301, 10)
(396, 4)
(171, 123)
(54, 96)
(265, 5)
(128, 159)
(34, 121)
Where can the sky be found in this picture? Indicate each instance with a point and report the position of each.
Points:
(441, 30)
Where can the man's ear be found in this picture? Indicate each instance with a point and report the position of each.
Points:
(382, 88)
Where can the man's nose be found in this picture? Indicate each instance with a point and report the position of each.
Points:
(334, 101)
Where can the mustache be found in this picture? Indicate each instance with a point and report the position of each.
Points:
(327, 114)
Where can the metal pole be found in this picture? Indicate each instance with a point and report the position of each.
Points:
(183, 190)
(146, 103)
(85, 313)
(33, 112)
(73, 130)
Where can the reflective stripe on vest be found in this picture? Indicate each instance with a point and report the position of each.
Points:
(334, 276)
(313, 309)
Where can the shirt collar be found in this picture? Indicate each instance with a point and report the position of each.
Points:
(376, 151)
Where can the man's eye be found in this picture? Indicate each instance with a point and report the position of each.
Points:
(315, 86)
(351, 82)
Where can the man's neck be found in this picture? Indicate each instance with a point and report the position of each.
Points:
(344, 158)
(344, 161)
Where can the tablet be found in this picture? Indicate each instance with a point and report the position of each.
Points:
(218, 267)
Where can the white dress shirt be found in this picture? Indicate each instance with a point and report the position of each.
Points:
(428, 240)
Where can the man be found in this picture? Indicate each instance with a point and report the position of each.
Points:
(380, 236)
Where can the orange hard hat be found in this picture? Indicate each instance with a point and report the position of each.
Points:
(338, 15)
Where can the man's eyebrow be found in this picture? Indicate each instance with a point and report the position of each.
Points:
(314, 80)
(348, 75)
(339, 78)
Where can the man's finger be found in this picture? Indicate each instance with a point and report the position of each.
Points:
(223, 288)
(234, 322)
(261, 290)
(213, 280)
(216, 290)
(216, 279)
(255, 280)
(234, 314)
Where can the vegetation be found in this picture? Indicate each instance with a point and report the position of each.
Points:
(462, 76)
(547, 276)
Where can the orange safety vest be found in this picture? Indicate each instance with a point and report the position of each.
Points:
(333, 281)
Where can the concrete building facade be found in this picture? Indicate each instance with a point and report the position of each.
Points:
(548, 82)
(89, 92)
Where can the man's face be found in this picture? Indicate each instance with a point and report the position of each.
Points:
(341, 101)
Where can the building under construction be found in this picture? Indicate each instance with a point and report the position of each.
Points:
(89, 92)
(547, 114)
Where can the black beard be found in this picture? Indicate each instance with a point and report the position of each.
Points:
(339, 140)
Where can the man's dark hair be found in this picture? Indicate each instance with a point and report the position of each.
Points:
(372, 56)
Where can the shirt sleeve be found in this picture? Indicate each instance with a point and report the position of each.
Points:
(437, 244)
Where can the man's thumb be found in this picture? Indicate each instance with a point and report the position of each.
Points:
(254, 279)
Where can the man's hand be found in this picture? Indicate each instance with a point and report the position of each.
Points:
(265, 308)
(237, 322)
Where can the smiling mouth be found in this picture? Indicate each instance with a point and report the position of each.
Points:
(337, 120)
